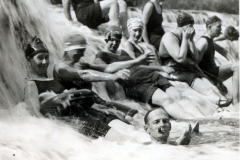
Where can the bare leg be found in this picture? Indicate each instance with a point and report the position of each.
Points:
(235, 85)
(209, 84)
(123, 16)
(117, 12)
(225, 72)
(188, 106)
(160, 98)
(111, 8)
(204, 89)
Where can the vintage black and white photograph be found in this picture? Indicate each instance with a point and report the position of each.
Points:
(119, 80)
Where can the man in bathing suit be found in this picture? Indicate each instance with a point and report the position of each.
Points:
(178, 50)
(158, 126)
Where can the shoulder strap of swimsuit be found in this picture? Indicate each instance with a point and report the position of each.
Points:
(180, 41)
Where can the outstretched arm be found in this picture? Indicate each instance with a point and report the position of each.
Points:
(66, 72)
(31, 98)
(66, 9)
(113, 67)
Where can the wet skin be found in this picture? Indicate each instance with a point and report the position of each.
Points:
(113, 44)
(39, 63)
(158, 126)
(135, 34)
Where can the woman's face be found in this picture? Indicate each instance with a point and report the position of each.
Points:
(40, 62)
(135, 33)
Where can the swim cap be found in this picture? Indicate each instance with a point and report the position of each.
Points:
(212, 20)
(134, 23)
(74, 41)
(231, 33)
(35, 47)
(184, 19)
(113, 31)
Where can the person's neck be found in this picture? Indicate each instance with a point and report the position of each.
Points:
(34, 75)
(132, 41)
(107, 50)
(208, 34)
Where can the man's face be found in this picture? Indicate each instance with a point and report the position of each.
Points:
(216, 29)
(113, 44)
(158, 126)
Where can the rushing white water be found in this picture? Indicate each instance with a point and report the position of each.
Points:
(25, 137)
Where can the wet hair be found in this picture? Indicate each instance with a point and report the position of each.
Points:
(113, 31)
(212, 20)
(36, 46)
(184, 19)
(147, 114)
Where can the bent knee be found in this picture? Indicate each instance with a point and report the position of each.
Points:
(163, 101)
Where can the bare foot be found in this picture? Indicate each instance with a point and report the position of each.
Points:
(195, 128)
(185, 138)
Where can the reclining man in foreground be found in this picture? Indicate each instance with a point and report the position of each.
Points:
(158, 126)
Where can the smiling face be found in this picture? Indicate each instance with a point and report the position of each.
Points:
(135, 33)
(113, 43)
(215, 29)
(158, 125)
(39, 63)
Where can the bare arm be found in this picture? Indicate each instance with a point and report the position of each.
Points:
(66, 9)
(158, 68)
(147, 11)
(113, 67)
(66, 72)
(31, 98)
(179, 53)
(192, 47)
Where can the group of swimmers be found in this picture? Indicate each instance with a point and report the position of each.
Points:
(69, 95)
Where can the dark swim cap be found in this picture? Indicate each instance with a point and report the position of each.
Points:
(35, 47)
(113, 31)
(184, 19)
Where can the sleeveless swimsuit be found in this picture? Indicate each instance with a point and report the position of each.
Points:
(142, 82)
(154, 27)
(182, 73)
(88, 13)
(207, 63)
